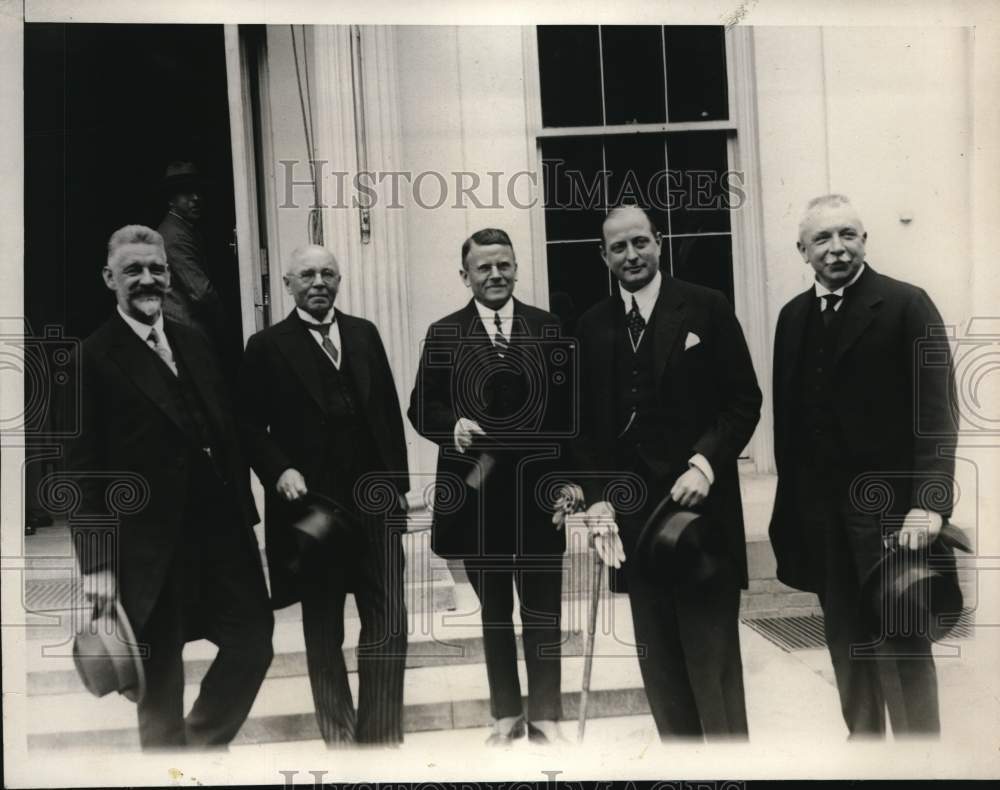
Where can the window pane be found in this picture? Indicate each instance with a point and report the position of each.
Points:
(570, 74)
(696, 73)
(636, 173)
(706, 260)
(633, 74)
(575, 193)
(698, 186)
(578, 279)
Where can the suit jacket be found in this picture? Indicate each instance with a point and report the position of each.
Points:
(192, 299)
(893, 390)
(707, 393)
(526, 421)
(283, 420)
(131, 426)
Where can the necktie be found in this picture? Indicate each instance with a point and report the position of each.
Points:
(828, 305)
(328, 346)
(156, 343)
(500, 342)
(636, 323)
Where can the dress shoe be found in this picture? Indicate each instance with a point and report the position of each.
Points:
(547, 734)
(498, 738)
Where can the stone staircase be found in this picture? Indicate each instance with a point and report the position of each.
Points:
(445, 685)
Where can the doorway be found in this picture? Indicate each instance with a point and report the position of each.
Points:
(106, 108)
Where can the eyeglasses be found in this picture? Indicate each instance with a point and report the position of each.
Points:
(307, 276)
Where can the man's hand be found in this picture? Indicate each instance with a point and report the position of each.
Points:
(99, 590)
(465, 430)
(569, 500)
(291, 485)
(600, 519)
(691, 488)
(920, 528)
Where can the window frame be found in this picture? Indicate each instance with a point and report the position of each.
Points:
(746, 224)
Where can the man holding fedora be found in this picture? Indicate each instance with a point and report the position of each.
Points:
(192, 299)
(158, 453)
(322, 424)
(488, 394)
(864, 444)
(668, 401)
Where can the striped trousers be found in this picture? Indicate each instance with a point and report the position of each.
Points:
(373, 570)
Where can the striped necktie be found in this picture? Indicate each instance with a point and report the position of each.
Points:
(328, 346)
(500, 341)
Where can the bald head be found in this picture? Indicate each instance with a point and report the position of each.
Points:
(312, 277)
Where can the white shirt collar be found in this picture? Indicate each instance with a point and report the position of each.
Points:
(488, 313)
(488, 317)
(645, 297)
(141, 329)
(822, 290)
(311, 320)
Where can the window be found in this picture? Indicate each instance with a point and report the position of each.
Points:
(635, 114)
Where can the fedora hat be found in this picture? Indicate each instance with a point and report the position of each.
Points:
(180, 174)
(318, 520)
(682, 545)
(915, 592)
(107, 656)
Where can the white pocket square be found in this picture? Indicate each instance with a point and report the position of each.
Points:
(691, 340)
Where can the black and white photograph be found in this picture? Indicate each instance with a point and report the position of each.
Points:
(507, 393)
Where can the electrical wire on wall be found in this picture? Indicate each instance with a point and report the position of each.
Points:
(315, 222)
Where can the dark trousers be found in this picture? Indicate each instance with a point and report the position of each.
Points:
(373, 570)
(689, 654)
(872, 673)
(539, 590)
(214, 590)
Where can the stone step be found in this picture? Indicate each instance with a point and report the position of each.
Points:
(437, 698)
(445, 688)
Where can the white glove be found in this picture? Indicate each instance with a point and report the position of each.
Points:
(600, 519)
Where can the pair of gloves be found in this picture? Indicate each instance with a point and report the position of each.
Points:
(600, 520)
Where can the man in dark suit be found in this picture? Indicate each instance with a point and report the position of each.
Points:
(192, 298)
(485, 395)
(319, 412)
(183, 557)
(669, 397)
(858, 419)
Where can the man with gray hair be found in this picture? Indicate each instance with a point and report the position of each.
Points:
(320, 415)
(855, 413)
(182, 557)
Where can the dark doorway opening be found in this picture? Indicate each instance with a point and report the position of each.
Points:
(106, 108)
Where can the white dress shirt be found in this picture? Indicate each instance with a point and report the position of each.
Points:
(488, 316)
(333, 332)
(143, 330)
(822, 290)
(645, 300)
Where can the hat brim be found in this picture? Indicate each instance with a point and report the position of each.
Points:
(920, 598)
(124, 664)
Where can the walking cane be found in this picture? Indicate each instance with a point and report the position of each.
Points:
(588, 649)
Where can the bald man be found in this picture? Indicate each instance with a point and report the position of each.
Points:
(319, 413)
(864, 444)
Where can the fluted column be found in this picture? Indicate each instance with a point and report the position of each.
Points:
(375, 283)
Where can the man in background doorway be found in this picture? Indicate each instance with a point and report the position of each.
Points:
(193, 299)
